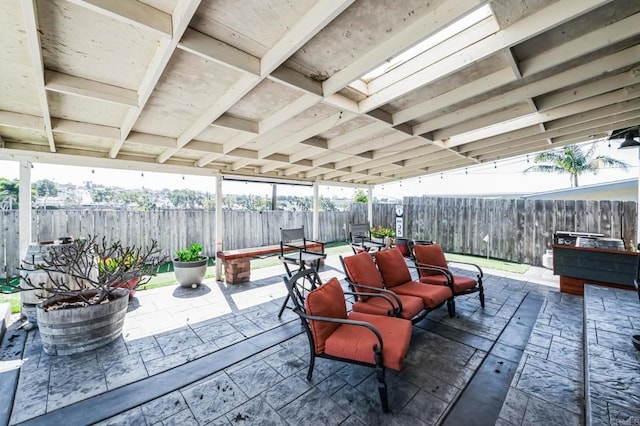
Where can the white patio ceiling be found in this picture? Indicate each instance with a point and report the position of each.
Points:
(275, 88)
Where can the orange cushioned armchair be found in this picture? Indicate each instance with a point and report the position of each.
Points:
(364, 339)
(363, 277)
(397, 278)
(434, 269)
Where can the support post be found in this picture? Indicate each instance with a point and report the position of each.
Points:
(24, 206)
(370, 206)
(219, 233)
(316, 211)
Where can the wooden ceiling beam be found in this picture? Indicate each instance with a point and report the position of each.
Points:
(403, 39)
(316, 18)
(181, 17)
(570, 77)
(76, 86)
(218, 52)
(583, 45)
(521, 30)
(237, 124)
(306, 133)
(132, 12)
(30, 12)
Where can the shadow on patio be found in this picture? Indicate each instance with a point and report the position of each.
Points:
(220, 355)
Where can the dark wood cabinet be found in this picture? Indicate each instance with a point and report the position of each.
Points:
(579, 265)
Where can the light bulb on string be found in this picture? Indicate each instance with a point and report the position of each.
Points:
(466, 172)
(441, 175)
(495, 165)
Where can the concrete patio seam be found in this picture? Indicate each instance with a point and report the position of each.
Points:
(119, 400)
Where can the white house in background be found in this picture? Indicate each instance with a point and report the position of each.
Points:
(622, 190)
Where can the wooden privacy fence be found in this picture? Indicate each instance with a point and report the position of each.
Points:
(173, 229)
(516, 230)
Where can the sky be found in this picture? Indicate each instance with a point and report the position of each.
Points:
(490, 178)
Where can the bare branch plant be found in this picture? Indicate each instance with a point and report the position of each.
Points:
(90, 270)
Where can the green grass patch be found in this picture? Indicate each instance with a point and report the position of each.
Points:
(166, 277)
(13, 300)
(483, 262)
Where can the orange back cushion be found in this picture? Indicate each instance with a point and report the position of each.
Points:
(431, 254)
(362, 270)
(393, 267)
(325, 301)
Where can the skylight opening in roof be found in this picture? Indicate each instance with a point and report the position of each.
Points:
(447, 32)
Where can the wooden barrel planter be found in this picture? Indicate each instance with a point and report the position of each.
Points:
(80, 329)
(29, 298)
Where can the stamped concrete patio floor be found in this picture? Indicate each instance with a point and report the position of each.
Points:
(219, 355)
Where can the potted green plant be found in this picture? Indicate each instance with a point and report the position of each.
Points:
(83, 306)
(190, 266)
(384, 234)
(111, 265)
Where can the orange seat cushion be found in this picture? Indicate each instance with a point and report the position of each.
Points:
(460, 283)
(356, 342)
(325, 301)
(431, 254)
(411, 306)
(431, 295)
(393, 267)
(361, 270)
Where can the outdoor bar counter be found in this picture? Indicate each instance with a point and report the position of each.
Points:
(607, 267)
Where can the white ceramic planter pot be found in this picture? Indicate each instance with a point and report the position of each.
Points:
(190, 274)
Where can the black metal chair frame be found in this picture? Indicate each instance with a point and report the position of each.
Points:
(450, 279)
(636, 280)
(397, 309)
(360, 238)
(298, 292)
(294, 251)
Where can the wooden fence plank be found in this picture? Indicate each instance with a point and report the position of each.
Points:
(519, 230)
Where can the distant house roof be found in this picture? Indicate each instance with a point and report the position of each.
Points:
(621, 190)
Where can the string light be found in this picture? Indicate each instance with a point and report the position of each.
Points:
(466, 172)
(495, 165)
(441, 175)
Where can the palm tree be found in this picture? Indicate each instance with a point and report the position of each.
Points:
(573, 160)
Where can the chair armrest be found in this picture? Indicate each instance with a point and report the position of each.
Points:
(378, 290)
(285, 246)
(322, 243)
(425, 266)
(480, 273)
(343, 321)
(395, 311)
(443, 271)
(317, 253)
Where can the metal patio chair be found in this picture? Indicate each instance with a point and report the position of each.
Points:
(371, 340)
